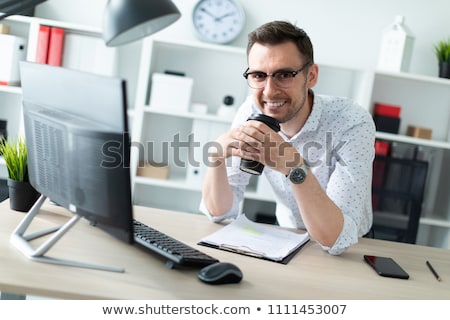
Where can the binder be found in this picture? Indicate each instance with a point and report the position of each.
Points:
(42, 44)
(55, 46)
(90, 54)
(257, 240)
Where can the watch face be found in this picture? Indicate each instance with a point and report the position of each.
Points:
(297, 175)
(218, 21)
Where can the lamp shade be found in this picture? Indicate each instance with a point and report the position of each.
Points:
(125, 21)
(11, 7)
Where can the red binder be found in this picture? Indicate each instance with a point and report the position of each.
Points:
(55, 48)
(42, 45)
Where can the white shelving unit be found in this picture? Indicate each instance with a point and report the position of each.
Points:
(217, 72)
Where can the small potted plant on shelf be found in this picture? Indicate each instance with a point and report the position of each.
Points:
(442, 51)
(22, 195)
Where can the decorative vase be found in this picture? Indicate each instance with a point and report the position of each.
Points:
(444, 69)
(22, 195)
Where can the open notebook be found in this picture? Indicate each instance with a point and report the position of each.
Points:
(258, 240)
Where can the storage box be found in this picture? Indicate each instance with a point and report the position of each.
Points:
(419, 132)
(382, 148)
(386, 124)
(4, 29)
(12, 51)
(171, 92)
(387, 110)
(157, 171)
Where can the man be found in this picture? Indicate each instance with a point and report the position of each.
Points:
(329, 139)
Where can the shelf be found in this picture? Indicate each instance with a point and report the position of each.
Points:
(414, 77)
(412, 140)
(200, 45)
(11, 89)
(60, 24)
(175, 182)
(436, 222)
(188, 115)
(19, 18)
(181, 184)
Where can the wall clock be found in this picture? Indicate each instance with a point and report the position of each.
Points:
(218, 21)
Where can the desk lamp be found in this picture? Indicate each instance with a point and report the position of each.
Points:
(124, 21)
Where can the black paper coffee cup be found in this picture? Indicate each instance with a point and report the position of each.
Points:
(252, 166)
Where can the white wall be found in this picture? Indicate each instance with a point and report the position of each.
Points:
(344, 32)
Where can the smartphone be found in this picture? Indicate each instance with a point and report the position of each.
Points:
(386, 267)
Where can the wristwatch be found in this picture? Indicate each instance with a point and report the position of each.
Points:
(298, 174)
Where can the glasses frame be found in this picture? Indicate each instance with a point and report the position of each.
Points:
(273, 74)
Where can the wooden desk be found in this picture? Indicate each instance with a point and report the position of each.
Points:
(312, 274)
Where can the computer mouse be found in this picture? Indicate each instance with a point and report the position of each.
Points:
(220, 273)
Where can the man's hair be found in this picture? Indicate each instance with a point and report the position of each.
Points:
(278, 32)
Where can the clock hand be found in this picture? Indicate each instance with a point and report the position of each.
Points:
(208, 13)
(224, 16)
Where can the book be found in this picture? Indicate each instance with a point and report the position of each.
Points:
(246, 237)
(55, 46)
(42, 44)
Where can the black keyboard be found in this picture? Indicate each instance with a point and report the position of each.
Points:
(177, 252)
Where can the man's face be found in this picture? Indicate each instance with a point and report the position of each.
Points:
(284, 104)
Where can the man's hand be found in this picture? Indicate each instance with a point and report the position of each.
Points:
(256, 141)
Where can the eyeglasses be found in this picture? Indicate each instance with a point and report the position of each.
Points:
(282, 78)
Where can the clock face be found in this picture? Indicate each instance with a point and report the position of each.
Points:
(218, 21)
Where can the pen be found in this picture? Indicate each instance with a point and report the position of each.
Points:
(438, 278)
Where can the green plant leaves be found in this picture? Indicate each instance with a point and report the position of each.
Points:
(442, 50)
(15, 155)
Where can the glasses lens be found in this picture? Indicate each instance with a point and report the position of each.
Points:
(283, 79)
(257, 80)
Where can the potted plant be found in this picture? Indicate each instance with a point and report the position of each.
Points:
(21, 194)
(442, 51)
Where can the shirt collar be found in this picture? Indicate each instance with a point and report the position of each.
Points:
(313, 121)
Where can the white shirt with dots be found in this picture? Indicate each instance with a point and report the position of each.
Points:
(337, 141)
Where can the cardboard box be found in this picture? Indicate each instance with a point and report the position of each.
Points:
(157, 171)
(4, 29)
(419, 132)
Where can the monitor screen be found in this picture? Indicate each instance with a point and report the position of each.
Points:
(78, 144)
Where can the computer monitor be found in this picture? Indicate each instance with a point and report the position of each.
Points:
(78, 148)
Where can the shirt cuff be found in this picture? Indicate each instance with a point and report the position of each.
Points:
(229, 215)
(347, 238)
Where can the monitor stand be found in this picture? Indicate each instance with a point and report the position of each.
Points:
(22, 241)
